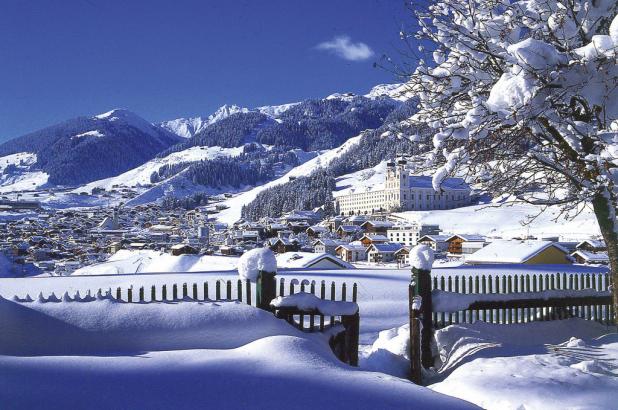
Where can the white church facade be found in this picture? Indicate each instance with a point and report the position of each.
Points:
(405, 192)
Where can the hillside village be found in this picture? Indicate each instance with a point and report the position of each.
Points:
(365, 232)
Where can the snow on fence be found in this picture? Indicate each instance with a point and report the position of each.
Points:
(437, 302)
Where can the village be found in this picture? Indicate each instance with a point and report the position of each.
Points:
(367, 232)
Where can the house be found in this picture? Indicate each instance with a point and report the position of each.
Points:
(436, 242)
(590, 258)
(368, 240)
(316, 231)
(465, 244)
(183, 249)
(308, 260)
(523, 252)
(347, 230)
(326, 246)
(281, 245)
(376, 226)
(409, 234)
(382, 252)
(403, 256)
(351, 252)
(591, 245)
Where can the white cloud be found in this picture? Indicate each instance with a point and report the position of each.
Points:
(343, 47)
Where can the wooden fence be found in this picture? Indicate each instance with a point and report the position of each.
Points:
(534, 297)
(519, 283)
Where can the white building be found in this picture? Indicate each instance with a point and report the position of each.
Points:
(405, 192)
(410, 234)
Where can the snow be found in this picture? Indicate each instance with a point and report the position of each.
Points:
(22, 179)
(309, 302)
(536, 54)
(443, 301)
(541, 365)
(188, 127)
(506, 251)
(175, 355)
(421, 257)
(510, 93)
(507, 221)
(252, 262)
(235, 204)
(94, 133)
(141, 175)
(307, 259)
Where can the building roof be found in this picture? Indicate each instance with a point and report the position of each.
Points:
(435, 238)
(378, 224)
(594, 243)
(352, 247)
(592, 257)
(307, 260)
(468, 238)
(385, 247)
(419, 181)
(507, 251)
(375, 238)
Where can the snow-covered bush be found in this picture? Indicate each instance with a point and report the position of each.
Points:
(522, 96)
(252, 262)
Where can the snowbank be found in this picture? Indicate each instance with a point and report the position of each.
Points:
(251, 263)
(68, 328)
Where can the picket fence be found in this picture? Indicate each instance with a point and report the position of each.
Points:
(246, 292)
(518, 283)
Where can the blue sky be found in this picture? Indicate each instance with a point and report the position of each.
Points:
(168, 59)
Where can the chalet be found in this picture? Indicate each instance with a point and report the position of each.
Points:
(376, 226)
(316, 231)
(403, 256)
(347, 230)
(465, 244)
(591, 245)
(326, 245)
(352, 252)
(436, 242)
(520, 252)
(280, 245)
(368, 240)
(590, 258)
(307, 260)
(183, 249)
(382, 252)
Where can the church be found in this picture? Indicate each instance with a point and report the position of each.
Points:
(404, 192)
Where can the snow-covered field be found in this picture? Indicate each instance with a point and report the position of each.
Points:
(21, 179)
(480, 361)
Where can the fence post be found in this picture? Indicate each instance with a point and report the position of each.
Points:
(266, 289)
(415, 333)
(423, 280)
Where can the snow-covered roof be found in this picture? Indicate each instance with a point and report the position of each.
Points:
(420, 181)
(378, 224)
(507, 251)
(353, 247)
(435, 238)
(375, 238)
(593, 243)
(468, 238)
(307, 260)
(592, 257)
(385, 247)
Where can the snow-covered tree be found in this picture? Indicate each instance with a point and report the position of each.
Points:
(522, 94)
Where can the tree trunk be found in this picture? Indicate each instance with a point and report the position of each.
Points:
(605, 212)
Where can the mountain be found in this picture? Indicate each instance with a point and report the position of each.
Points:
(188, 127)
(86, 149)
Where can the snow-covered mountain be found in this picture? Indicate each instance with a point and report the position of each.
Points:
(188, 127)
(85, 149)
